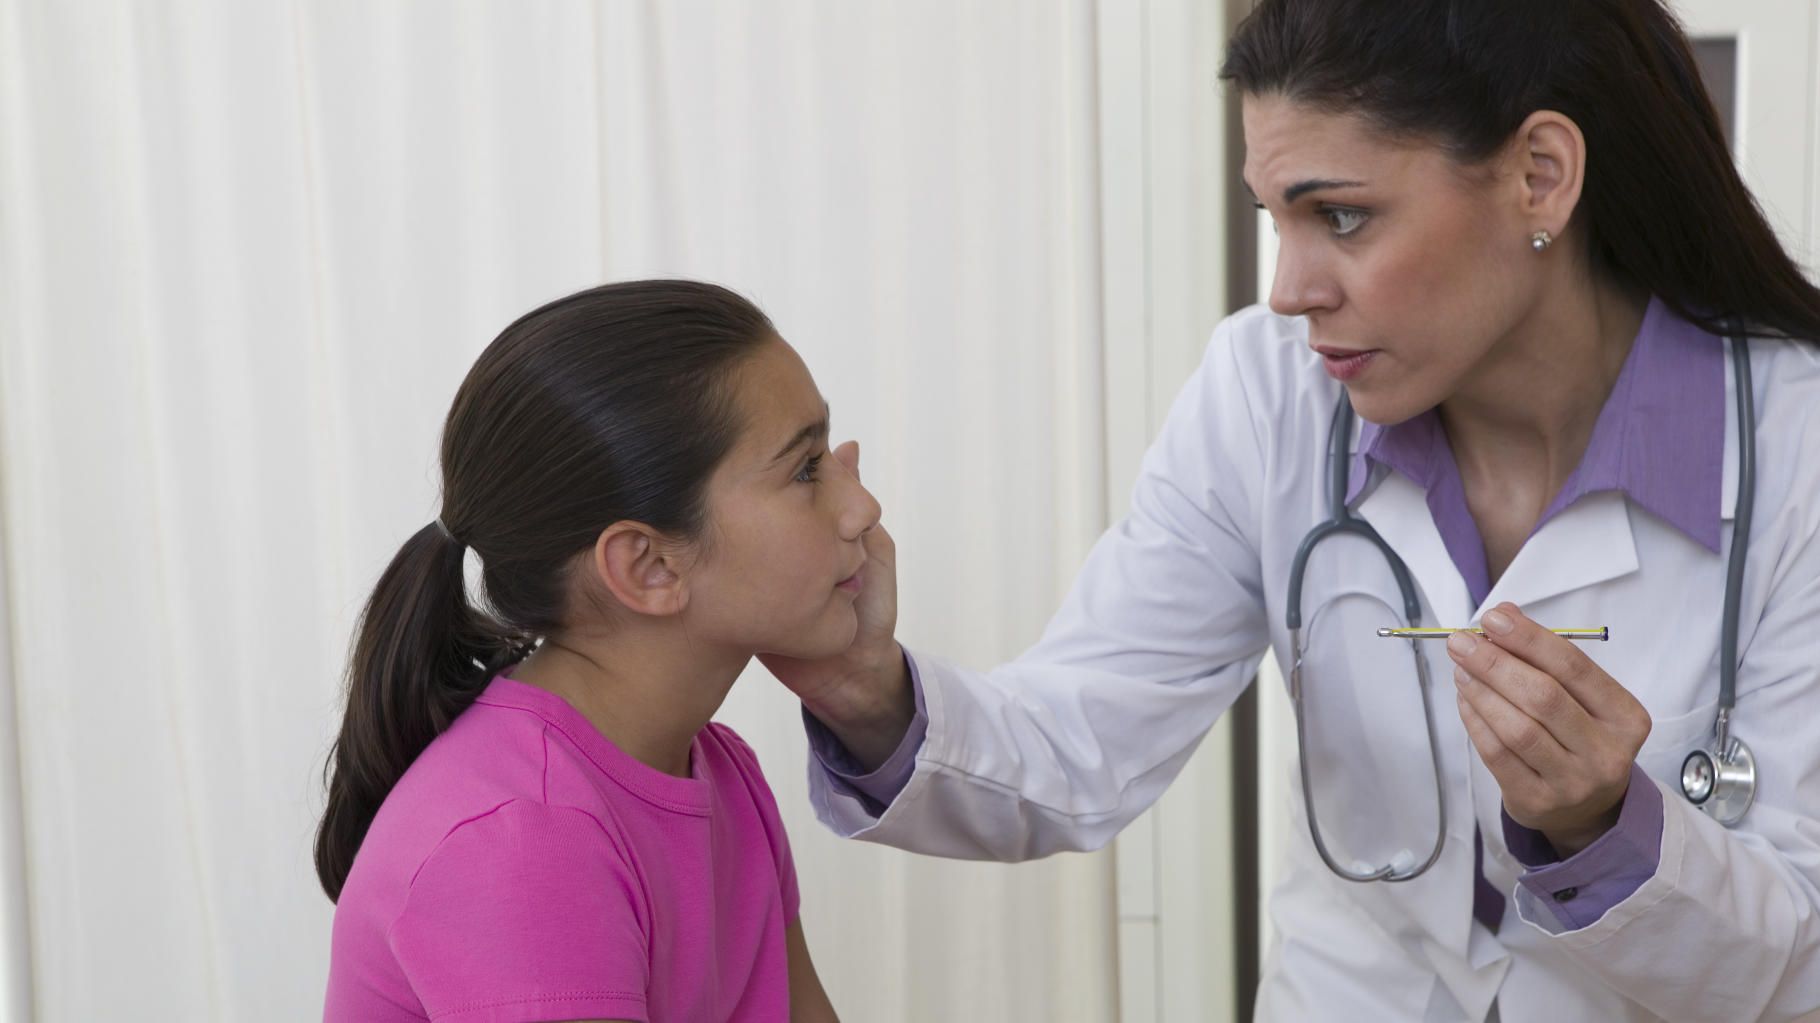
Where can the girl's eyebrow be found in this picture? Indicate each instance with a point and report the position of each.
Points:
(817, 430)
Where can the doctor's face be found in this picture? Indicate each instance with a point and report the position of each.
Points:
(1409, 266)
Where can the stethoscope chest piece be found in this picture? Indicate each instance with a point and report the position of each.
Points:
(1722, 783)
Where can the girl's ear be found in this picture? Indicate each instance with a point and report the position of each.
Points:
(640, 569)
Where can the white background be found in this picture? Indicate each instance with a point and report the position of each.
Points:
(250, 248)
(247, 250)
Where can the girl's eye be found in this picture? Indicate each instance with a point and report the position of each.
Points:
(807, 473)
(1344, 221)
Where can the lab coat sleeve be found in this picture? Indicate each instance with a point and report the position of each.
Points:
(1163, 628)
(1729, 925)
(881, 785)
(1586, 885)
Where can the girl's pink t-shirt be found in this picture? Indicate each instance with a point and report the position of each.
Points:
(525, 868)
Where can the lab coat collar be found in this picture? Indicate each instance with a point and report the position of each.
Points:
(1660, 439)
(1588, 544)
(1728, 487)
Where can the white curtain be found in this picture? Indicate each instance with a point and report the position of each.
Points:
(247, 250)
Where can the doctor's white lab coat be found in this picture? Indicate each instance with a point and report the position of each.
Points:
(1176, 605)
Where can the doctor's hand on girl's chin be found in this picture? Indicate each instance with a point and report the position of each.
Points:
(1557, 732)
(862, 694)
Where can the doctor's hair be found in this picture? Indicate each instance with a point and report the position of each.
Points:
(613, 404)
(1663, 207)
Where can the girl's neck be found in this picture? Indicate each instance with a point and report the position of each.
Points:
(646, 689)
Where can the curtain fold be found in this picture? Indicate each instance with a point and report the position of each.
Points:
(247, 251)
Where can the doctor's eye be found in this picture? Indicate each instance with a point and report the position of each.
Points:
(1344, 221)
(807, 473)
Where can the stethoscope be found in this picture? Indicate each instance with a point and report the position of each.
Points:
(1720, 779)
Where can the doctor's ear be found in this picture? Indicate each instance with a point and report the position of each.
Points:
(642, 568)
(1549, 155)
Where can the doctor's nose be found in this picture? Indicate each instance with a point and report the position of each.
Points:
(1300, 287)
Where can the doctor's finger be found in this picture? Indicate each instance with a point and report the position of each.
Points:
(1512, 630)
(1518, 735)
(880, 546)
(1532, 691)
(1508, 768)
(848, 455)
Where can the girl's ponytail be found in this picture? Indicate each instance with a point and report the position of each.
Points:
(421, 655)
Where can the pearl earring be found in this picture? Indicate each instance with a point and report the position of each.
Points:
(1541, 240)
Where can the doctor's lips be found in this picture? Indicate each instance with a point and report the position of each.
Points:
(852, 583)
(1344, 364)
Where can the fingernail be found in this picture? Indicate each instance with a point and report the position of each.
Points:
(1462, 643)
(1497, 621)
(1459, 676)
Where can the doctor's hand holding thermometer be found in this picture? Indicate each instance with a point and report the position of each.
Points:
(1558, 733)
(1469, 196)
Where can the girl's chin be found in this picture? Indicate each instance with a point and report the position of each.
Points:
(828, 638)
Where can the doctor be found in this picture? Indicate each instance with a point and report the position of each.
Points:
(1512, 237)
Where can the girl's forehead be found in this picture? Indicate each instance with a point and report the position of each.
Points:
(775, 381)
(778, 400)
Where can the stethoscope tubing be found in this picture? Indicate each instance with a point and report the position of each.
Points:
(1341, 521)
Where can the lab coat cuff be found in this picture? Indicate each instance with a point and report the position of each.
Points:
(1579, 890)
(877, 789)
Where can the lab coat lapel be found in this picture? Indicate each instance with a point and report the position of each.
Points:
(1588, 543)
(1398, 509)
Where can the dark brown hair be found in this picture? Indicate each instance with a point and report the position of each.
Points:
(1663, 207)
(612, 404)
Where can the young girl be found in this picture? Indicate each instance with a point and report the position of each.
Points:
(530, 816)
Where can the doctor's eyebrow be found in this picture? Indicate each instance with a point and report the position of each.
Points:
(1301, 188)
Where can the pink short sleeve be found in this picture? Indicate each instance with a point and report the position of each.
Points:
(753, 778)
(528, 912)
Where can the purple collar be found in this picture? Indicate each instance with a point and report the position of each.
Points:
(1659, 440)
